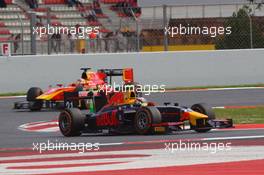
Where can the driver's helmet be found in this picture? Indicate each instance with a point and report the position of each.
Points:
(142, 101)
(81, 81)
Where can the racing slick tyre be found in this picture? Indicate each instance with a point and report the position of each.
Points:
(203, 108)
(32, 94)
(145, 117)
(71, 122)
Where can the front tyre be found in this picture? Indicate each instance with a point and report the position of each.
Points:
(145, 117)
(32, 94)
(71, 122)
(205, 109)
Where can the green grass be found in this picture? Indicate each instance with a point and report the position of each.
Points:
(242, 116)
(207, 87)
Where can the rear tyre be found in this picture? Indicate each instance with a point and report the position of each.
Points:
(145, 117)
(71, 122)
(32, 94)
(204, 108)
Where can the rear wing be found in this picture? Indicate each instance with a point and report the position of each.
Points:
(127, 73)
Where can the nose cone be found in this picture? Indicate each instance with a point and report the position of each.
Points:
(193, 116)
(45, 97)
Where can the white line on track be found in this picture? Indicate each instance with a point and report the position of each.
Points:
(214, 89)
(10, 97)
(233, 138)
(180, 90)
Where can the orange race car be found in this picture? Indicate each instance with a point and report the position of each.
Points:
(54, 97)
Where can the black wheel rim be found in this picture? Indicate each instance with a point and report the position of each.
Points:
(64, 122)
(143, 121)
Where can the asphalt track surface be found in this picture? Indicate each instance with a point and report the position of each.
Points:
(12, 137)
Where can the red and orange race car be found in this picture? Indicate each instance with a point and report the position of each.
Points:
(133, 114)
(54, 97)
(125, 111)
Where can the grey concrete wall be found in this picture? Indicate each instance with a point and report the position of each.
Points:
(199, 68)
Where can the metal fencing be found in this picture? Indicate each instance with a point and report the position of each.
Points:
(190, 27)
(111, 45)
